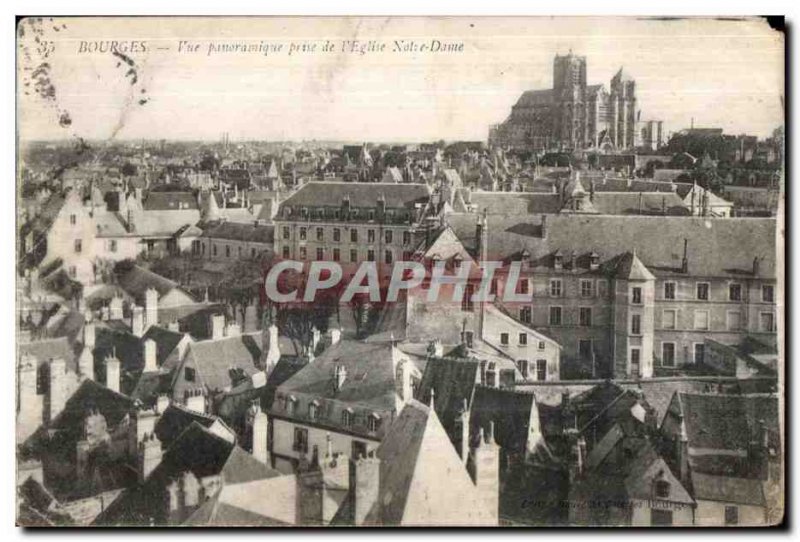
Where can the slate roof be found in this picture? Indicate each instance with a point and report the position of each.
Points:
(46, 349)
(721, 247)
(328, 193)
(236, 231)
(531, 98)
(169, 201)
(452, 381)
(136, 280)
(628, 203)
(176, 419)
(728, 489)
(509, 410)
(165, 339)
(515, 203)
(214, 358)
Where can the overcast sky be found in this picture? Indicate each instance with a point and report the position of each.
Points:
(725, 74)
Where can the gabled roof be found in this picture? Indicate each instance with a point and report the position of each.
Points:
(46, 349)
(237, 231)
(515, 203)
(508, 410)
(451, 381)
(531, 98)
(639, 203)
(176, 419)
(136, 280)
(215, 358)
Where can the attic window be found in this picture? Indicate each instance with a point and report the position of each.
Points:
(661, 489)
(313, 410)
(290, 404)
(594, 261)
(373, 422)
(558, 260)
(347, 418)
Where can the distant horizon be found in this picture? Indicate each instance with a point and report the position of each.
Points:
(717, 73)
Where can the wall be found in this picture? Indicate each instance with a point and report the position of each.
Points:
(712, 514)
(283, 440)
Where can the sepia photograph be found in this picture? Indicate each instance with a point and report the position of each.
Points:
(399, 271)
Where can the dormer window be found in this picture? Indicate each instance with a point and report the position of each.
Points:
(347, 418)
(313, 410)
(558, 260)
(594, 261)
(373, 422)
(291, 404)
(661, 489)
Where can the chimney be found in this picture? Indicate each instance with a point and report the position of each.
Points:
(150, 364)
(112, 374)
(462, 429)
(151, 307)
(682, 451)
(130, 221)
(685, 260)
(365, 484)
(89, 335)
(58, 387)
(339, 376)
(190, 487)
(105, 314)
(115, 308)
(492, 377)
(233, 330)
(406, 390)
(485, 472)
(334, 335)
(137, 321)
(29, 409)
(149, 455)
(271, 349)
(260, 434)
(86, 363)
(217, 326)
(482, 237)
(162, 403)
(195, 399)
(251, 318)
(174, 326)
(544, 226)
(581, 455)
(173, 496)
(315, 338)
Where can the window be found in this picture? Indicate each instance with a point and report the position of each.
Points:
(252, 253)
(347, 418)
(286, 233)
(320, 234)
(406, 238)
(702, 291)
(78, 245)
(767, 293)
(555, 316)
(303, 233)
(285, 252)
(669, 319)
(504, 339)
(353, 255)
(585, 316)
(291, 404)
(735, 292)
(523, 286)
(731, 515)
(767, 322)
(336, 255)
(555, 288)
(73, 271)
(701, 320)
(636, 355)
(541, 369)
(300, 443)
(466, 302)
(240, 252)
(388, 235)
(699, 352)
(585, 349)
(587, 288)
(227, 251)
(523, 339)
(370, 255)
(661, 489)
(636, 295)
(358, 449)
(493, 287)
(354, 235)
(373, 422)
(660, 517)
(371, 215)
(188, 374)
(636, 324)
(541, 345)
(337, 235)
(522, 365)
(113, 245)
(388, 256)
(525, 315)
(213, 249)
(668, 354)
(320, 253)
(73, 219)
(669, 290)
(370, 236)
(302, 253)
(313, 410)
(734, 320)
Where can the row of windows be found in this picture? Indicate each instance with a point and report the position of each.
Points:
(522, 340)
(388, 235)
(214, 251)
(733, 320)
(336, 254)
(539, 370)
(702, 291)
(348, 418)
(352, 214)
(668, 353)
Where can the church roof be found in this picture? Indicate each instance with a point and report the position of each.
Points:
(531, 98)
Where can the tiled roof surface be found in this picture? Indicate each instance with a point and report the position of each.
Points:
(361, 194)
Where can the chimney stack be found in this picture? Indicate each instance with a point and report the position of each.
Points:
(270, 347)
(260, 434)
(137, 321)
(115, 308)
(58, 387)
(756, 266)
(685, 260)
(89, 335)
(151, 307)
(149, 455)
(406, 390)
(365, 480)
(162, 403)
(112, 374)
(217, 326)
(29, 409)
(486, 471)
(233, 329)
(190, 487)
(150, 363)
(86, 363)
(251, 317)
(544, 226)
(339, 376)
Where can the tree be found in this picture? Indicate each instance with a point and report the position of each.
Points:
(128, 169)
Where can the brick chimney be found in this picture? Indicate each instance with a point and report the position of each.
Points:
(190, 489)
(259, 426)
(112, 373)
(270, 347)
(148, 456)
(217, 326)
(115, 308)
(150, 362)
(89, 334)
(137, 321)
(485, 471)
(365, 486)
(86, 363)
(151, 307)
(58, 387)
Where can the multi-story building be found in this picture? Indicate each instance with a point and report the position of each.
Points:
(621, 304)
(573, 114)
(351, 222)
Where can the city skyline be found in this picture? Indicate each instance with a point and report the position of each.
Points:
(400, 96)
